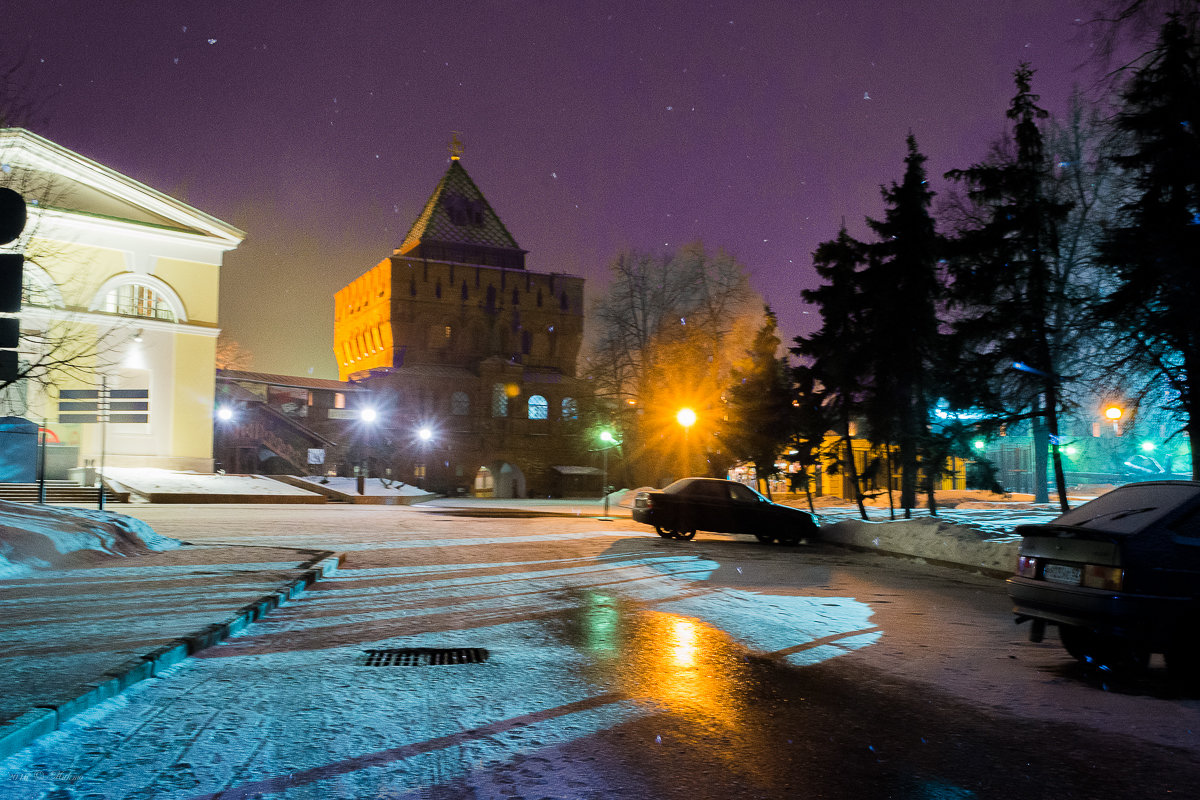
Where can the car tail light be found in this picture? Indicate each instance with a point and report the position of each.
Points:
(1027, 566)
(1108, 578)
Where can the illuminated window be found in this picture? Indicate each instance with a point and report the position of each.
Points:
(460, 404)
(569, 409)
(339, 400)
(499, 400)
(538, 407)
(418, 470)
(137, 300)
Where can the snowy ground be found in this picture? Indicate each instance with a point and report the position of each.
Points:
(147, 481)
(374, 487)
(48, 537)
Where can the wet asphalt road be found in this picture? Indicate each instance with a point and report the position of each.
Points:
(621, 666)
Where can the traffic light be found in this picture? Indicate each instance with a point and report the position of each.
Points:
(12, 222)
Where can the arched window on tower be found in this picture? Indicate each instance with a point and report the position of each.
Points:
(569, 409)
(538, 407)
(138, 300)
(460, 404)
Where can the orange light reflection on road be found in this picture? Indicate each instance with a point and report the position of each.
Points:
(683, 640)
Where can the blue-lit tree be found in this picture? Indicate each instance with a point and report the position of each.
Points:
(1009, 301)
(1153, 248)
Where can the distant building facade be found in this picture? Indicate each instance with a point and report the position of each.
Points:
(285, 424)
(453, 334)
(128, 279)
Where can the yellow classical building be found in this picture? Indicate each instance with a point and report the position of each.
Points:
(123, 281)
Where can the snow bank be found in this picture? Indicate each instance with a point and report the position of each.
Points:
(49, 537)
(374, 487)
(931, 539)
(149, 482)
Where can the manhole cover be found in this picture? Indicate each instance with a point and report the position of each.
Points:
(424, 656)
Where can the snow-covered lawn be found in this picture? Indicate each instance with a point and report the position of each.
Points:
(375, 487)
(51, 537)
(147, 481)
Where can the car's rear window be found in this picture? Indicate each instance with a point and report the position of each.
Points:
(1131, 508)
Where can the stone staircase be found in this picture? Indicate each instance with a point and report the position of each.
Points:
(65, 492)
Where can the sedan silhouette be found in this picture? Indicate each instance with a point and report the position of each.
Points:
(721, 506)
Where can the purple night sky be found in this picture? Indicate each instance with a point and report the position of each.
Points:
(321, 128)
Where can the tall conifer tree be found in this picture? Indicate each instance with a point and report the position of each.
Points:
(1155, 249)
(759, 402)
(831, 357)
(1007, 294)
(900, 298)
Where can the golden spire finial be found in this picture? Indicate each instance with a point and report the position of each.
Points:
(456, 146)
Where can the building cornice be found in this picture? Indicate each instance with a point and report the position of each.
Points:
(28, 149)
(114, 321)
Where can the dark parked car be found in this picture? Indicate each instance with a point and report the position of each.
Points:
(711, 504)
(1119, 576)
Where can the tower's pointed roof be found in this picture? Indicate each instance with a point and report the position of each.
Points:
(459, 224)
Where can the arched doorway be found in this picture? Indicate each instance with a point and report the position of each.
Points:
(485, 483)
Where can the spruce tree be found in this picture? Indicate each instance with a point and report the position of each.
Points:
(759, 402)
(900, 297)
(1154, 251)
(1007, 295)
(831, 358)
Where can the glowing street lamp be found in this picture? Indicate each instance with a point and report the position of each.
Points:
(1114, 413)
(609, 441)
(425, 433)
(225, 413)
(368, 415)
(686, 417)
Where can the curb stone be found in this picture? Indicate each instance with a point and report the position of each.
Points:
(19, 733)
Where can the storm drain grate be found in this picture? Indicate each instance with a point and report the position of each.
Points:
(425, 656)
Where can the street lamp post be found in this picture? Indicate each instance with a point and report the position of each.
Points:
(609, 441)
(1114, 413)
(367, 415)
(686, 417)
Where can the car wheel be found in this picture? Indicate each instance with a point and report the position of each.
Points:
(764, 538)
(1183, 661)
(685, 536)
(664, 533)
(1105, 652)
(790, 541)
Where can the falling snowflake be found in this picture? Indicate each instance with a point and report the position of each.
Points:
(554, 175)
(866, 95)
(212, 41)
(670, 108)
